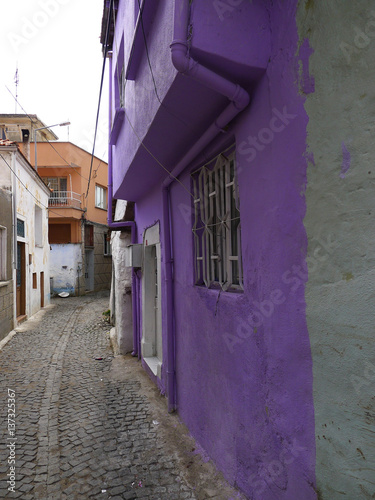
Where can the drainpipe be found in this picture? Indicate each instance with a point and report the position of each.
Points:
(14, 210)
(239, 100)
(117, 226)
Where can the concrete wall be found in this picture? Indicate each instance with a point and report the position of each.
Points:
(66, 267)
(340, 226)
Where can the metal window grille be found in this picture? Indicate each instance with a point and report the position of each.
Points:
(217, 225)
(20, 228)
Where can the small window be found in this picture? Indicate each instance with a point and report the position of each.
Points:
(38, 225)
(35, 281)
(89, 235)
(20, 228)
(100, 197)
(3, 253)
(107, 244)
(216, 225)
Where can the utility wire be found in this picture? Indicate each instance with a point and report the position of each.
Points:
(100, 91)
(28, 190)
(49, 142)
(133, 128)
(152, 73)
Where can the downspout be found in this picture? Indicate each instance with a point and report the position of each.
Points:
(117, 226)
(15, 260)
(239, 100)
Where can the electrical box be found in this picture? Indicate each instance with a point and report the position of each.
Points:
(133, 256)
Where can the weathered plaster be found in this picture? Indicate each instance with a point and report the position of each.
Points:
(65, 267)
(340, 224)
(120, 300)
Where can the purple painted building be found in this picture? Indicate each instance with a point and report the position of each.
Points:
(208, 139)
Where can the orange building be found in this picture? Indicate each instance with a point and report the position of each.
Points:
(78, 235)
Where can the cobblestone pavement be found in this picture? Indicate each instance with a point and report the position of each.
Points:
(88, 427)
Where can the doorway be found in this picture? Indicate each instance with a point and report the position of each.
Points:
(151, 297)
(21, 281)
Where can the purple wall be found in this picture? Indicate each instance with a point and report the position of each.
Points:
(243, 361)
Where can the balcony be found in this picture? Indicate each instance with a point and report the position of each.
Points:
(64, 199)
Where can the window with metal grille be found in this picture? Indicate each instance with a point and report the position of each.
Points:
(20, 228)
(217, 227)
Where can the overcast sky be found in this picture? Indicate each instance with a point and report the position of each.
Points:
(56, 45)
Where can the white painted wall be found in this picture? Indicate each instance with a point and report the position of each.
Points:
(31, 192)
(340, 294)
(65, 265)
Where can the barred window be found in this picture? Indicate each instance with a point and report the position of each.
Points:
(217, 227)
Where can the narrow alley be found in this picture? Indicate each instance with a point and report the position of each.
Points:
(89, 424)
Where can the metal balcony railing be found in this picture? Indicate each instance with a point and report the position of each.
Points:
(64, 199)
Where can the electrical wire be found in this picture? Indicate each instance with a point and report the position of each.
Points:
(28, 190)
(49, 142)
(152, 73)
(146, 48)
(133, 128)
(100, 91)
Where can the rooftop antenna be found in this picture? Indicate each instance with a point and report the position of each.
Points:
(16, 82)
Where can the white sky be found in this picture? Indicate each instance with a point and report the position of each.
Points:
(56, 44)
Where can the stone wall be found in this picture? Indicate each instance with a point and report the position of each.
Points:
(6, 308)
(102, 263)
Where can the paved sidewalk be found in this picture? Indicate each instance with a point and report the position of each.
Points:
(88, 427)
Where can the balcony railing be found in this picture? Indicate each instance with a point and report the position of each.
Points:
(64, 199)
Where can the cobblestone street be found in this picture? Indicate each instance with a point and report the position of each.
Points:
(89, 424)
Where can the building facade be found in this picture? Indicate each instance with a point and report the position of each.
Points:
(80, 242)
(24, 233)
(243, 134)
(78, 235)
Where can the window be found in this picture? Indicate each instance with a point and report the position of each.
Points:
(20, 228)
(35, 281)
(89, 235)
(3, 253)
(100, 197)
(107, 243)
(216, 225)
(38, 225)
